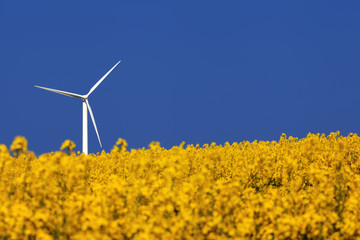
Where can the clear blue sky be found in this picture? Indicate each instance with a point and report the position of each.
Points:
(193, 71)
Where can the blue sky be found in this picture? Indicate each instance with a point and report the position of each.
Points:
(193, 71)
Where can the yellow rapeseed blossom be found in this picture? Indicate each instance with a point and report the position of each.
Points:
(68, 145)
(288, 189)
(3, 149)
(120, 145)
(19, 145)
(154, 145)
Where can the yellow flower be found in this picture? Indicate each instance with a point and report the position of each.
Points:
(19, 145)
(4, 149)
(123, 145)
(68, 145)
(154, 145)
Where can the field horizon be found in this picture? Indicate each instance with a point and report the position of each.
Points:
(288, 189)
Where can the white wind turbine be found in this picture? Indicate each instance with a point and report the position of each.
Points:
(86, 106)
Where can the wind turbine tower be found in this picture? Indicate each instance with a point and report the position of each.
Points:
(86, 107)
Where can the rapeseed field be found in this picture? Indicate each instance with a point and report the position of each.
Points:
(288, 189)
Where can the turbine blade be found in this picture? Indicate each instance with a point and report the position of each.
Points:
(61, 92)
(93, 119)
(102, 79)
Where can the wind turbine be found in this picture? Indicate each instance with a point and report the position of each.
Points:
(86, 106)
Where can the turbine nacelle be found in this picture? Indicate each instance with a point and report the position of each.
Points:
(86, 107)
